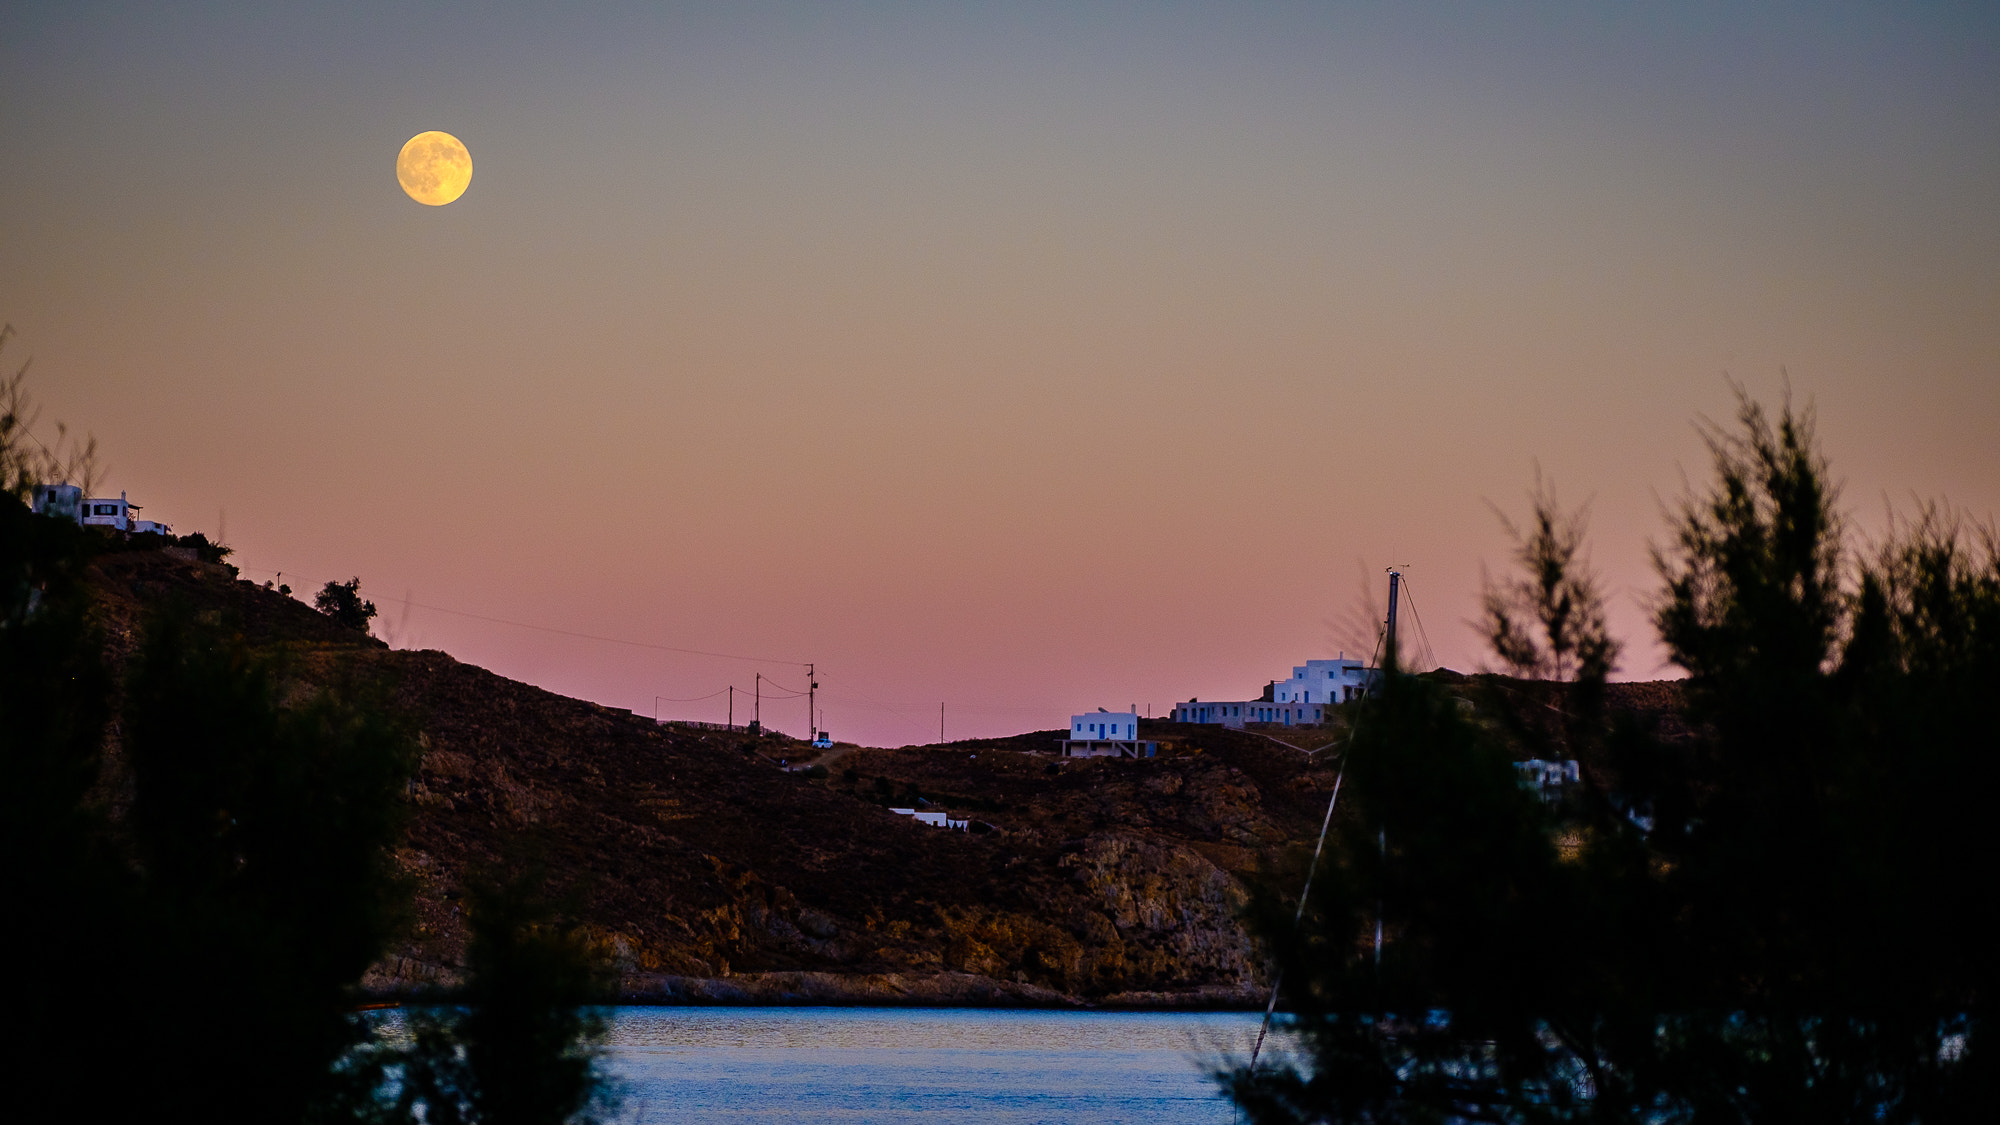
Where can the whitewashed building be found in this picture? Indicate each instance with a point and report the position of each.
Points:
(120, 515)
(934, 819)
(1106, 734)
(67, 500)
(61, 500)
(1548, 778)
(1306, 698)
(1324, 681)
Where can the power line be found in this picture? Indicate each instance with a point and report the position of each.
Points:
(584, 636)
(1429, 652)
(608, 640)
(1313, 867)
(689, 699)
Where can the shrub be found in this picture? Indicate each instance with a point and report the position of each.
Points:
(342, 602)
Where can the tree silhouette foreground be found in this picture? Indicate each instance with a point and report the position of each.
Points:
(1785, 910)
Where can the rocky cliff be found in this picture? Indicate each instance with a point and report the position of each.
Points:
(710, 874)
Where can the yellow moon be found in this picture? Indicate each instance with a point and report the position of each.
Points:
(434, 168)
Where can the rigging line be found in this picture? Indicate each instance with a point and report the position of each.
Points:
(1312, 869)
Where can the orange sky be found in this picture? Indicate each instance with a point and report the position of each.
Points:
(1013, 358)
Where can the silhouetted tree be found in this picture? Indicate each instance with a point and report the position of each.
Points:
(1548, 622)
(195, 866)
(62, 900)
(203, 548)
(522, 1045)
(1788, 914)
(342, 602)
(24, 460)
(198, 904)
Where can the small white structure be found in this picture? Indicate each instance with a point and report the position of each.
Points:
(61, 500)
(1106, 734)
(1324, 681)
(1305, 699)
(1241, 713)
(119, 515)
(934, 819)
(1547, 778)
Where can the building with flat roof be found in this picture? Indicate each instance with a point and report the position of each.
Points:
(1106, 734)
(1305, 699)
(67, 501)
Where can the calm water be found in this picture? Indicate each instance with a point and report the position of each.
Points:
(954, 1065)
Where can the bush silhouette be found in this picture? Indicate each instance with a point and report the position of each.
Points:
(342, 602)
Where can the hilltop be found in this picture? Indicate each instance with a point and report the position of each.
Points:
(707, 872)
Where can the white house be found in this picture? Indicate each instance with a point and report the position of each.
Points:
(1106, 734)
(1324, 681)
(1305, 699)
(1547, 778)
(120, 514)
(63, 500)
(1239, 713)
(934, 819)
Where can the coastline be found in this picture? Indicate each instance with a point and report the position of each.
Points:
(860, 990)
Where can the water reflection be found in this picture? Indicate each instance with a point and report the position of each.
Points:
(846, 1064)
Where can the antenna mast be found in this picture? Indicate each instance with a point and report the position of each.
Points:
(1395, 594)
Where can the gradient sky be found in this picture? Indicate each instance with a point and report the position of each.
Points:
(1025, 358)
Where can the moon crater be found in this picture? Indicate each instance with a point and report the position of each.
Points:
(434, 168)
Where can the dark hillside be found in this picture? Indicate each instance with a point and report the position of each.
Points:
(708, 871)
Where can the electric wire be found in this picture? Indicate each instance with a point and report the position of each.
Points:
(1430, 654)
(574, 633)
(689, 699)
(1312, 869)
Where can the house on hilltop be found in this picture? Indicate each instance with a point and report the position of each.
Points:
(66, 501)
(1106, 734)
(1305, 699)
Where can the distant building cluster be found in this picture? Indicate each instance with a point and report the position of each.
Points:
(67, 501)
(1305, 699)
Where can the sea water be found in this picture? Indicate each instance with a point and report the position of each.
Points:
(755, 1065)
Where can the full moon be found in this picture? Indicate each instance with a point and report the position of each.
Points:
(434, 168)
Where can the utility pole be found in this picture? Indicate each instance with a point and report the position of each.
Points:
(1382, 834)
(757, 707)
(1395, 591)
(812, 722)
(940, 724)
(732, 706)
